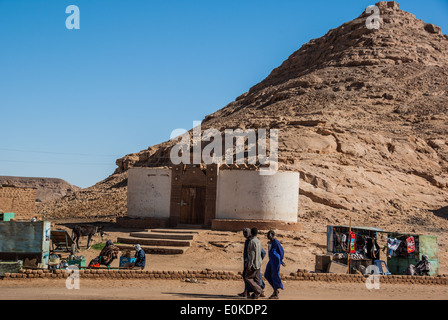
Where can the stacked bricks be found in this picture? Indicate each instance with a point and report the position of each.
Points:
(357, 278)
(21, 201)
(221, 275)
(126, 274)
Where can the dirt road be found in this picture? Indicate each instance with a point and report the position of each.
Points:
(43, 289)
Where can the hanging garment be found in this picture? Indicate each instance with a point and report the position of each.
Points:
(372, 250)
(411, 244)
(352, 239)
(392, 246)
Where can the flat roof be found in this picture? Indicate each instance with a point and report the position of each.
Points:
(362, 228)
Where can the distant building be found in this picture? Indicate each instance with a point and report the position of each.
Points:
(223, 198)
(21, 201)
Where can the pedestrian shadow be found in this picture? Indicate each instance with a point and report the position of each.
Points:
(204, 296)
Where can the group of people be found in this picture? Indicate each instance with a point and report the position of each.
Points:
(110, 252)
(253, 256)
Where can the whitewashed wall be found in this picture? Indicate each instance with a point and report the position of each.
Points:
(245, 194)
(149, 193)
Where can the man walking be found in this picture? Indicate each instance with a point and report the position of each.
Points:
(248, 236)
(253, 275)
(272, 273)
(247, 233)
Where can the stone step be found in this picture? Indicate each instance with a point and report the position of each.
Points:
(163, 235)
(155, 249)
(155, 242)
(175, 231)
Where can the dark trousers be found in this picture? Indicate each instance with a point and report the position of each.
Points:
(247, 287)
(253, 277)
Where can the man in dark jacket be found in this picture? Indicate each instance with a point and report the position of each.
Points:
(247, 288)
(254, 260)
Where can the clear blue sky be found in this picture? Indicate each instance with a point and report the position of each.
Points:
(136, 70)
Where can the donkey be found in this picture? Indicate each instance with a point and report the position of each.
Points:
(89, 231)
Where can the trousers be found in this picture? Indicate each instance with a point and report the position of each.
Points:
(253, 277)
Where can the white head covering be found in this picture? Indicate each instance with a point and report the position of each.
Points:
(137, 247)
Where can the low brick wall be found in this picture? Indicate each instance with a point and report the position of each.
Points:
(126, 274)
(220, 275)
(355, 278)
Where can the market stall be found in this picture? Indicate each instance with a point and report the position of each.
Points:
(355, 247)
(408, 249)
(25, 241)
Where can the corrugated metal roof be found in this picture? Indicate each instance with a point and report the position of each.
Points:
(362, 228)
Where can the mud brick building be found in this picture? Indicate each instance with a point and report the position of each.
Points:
(21, 201)
(220, 197)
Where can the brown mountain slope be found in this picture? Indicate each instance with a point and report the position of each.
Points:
(363, 113)
(46, 188)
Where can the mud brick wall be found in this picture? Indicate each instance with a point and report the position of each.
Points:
(204, 275)
(21, 201)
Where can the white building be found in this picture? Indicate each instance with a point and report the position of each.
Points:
(223, 199)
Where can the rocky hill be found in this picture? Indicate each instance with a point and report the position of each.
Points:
(46, 188)
(361, 114)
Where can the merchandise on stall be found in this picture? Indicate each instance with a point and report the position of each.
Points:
(356, 246)
(405, 251)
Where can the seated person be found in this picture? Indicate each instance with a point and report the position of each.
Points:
(140, 258)
(109, 253)
(423, 267)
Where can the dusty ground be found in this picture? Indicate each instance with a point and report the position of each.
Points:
(210, 290)
(218, 250)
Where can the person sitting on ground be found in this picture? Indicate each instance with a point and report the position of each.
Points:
(109, 253)
(423, 267)
(140, 257)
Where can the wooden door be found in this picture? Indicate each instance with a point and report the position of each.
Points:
(192, 205)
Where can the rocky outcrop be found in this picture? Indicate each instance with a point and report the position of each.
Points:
(362, 111)
(46, 188)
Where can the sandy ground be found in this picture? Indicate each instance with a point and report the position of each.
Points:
(90, 289)
(217, 251)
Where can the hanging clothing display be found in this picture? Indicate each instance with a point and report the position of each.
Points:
(352, 238)
(411, 244)
(372, 250)
(392, 246)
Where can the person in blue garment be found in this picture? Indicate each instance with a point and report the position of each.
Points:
(272, 273)
(140, 258)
